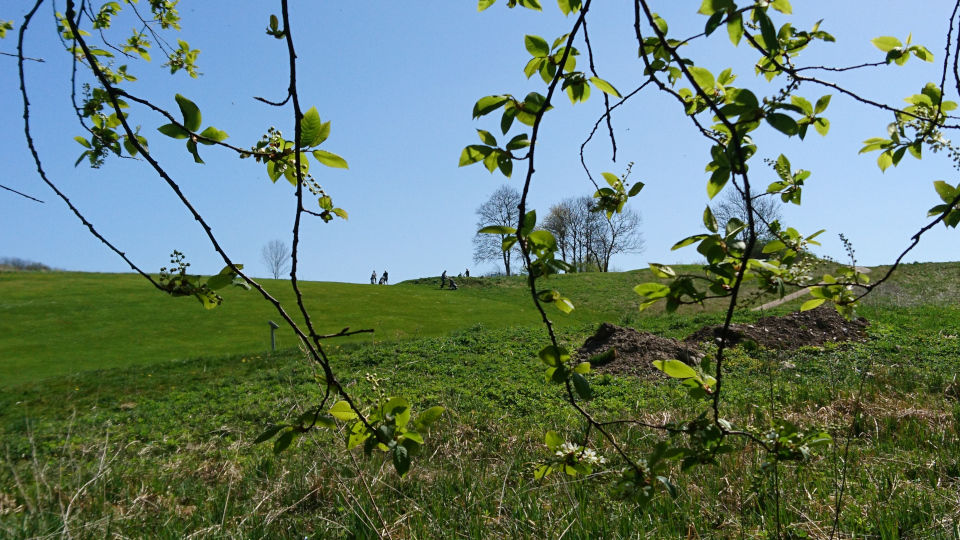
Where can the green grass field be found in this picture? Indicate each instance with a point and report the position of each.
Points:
(162, 449)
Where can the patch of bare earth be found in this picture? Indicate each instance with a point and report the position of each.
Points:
(635, 351)
(807, 328)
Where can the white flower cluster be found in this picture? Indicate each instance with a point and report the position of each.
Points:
(583, 455)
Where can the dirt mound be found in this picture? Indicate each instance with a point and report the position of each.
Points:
(807, 328)
(635, 351)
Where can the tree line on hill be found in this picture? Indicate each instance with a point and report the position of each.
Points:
(586, 238)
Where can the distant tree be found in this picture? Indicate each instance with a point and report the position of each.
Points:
(766, 210)
(275, 255)
(587, 239)
(500, 209)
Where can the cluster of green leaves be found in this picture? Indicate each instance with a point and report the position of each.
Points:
(4, 26)
(183, 58)
(177, 282)
(192, 120)
(611, 200)
(638, 485)
(787, 443)
(898, 52)
(546, 61)
(926, 113)
(837, 289)
(104, 138)
(280, 157)
(529, 4)
(949, 195)
(385, 426)
(790, 186)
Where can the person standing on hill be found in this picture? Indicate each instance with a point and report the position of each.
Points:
(373, 278)
(467, 273)
(386, 280)
(443, 279)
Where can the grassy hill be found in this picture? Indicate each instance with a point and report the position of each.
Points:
(66, 322)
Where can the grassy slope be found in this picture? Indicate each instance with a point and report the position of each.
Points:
(64, 322)
(177, 438)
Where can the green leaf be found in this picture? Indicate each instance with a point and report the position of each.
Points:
(703, 78)
(268, 434)
(822, 125)
(497, 229)
(399, 408)
(173, 130)
(635, 189)
(401, 460)
(340, 212)
(564, 305)
(783, 123)
(581, 385)
(82, 141)
(783, 6)
(709, 221)
(473, 154)
(804, 105)
(536, 46)
(428, 417)
(946, 192)
(822, 104)
(662, 271)
(709, 7)
(735, 28)
(484, 4)
(190, 112)
(661, 24)
(767, 30)
(584, 367)
(330, 159)
(569, 6)
(213, 134)
(273, 172)
(192, 148)
(283, 441)
(310, 126)
(689, 240)
(341, 411)
(553, 440)
(885, 160)
(611, 179)
(605, 87)
(487, 138)
(886, 43)
(652, 290)
(675, 369)
(553, 355)
(774, 246)
(718, 179)
(810, 304)
(713, 22)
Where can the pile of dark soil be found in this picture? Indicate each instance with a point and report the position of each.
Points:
(635, 351)
(807, 328)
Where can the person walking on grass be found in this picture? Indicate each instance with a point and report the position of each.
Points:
(443, 279)
(373, 278)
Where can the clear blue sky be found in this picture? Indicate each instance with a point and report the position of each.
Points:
(399, 80)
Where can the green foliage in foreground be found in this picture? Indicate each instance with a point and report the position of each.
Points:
(176, 443)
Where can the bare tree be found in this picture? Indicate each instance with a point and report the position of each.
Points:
(501, 209)
(766, 210)
(275, 255)
(587, 239)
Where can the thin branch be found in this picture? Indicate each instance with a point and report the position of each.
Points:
(606, 98)
(597, 125)
(275, 104)
(36, 156)
(17, 192)
(25, 57)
